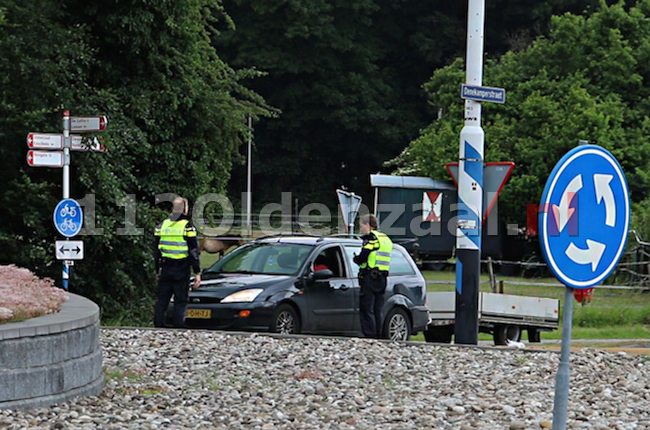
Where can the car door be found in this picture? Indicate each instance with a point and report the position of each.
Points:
(350, 251)
(330, 301)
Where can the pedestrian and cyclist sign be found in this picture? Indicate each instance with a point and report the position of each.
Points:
(68, 217)
(584, 216)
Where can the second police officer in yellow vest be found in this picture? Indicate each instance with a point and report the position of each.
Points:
(374, 264)
(176, 252)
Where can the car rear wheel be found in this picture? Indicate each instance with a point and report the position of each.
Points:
(397, 325)
(285, 320)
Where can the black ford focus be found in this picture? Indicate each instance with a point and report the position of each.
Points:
(303, 284)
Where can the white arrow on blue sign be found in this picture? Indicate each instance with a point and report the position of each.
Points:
(68, 217)
(584, 216)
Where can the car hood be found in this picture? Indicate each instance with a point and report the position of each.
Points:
(228, 283)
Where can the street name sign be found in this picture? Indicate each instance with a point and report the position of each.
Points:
(45, 158)
(69, 249)
(482, 94)
(68, 217)
(584, 216)
(45, 141)
(88, 123)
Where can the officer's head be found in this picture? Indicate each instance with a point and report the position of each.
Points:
(368, 222)
(180, 206)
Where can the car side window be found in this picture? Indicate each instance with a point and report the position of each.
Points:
(399, 264)
(350, 251)
(330, 258)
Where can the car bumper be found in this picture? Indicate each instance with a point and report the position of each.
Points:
(420, 316)
(229, 316)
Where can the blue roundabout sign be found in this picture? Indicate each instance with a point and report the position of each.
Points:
(68, 217)
(584, 216)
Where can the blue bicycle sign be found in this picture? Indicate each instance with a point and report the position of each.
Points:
(584, 216)
(68, 217)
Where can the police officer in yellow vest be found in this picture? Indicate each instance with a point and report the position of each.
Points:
(176, 253)
(374, 263)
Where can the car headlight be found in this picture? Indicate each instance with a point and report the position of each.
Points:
(242, 296)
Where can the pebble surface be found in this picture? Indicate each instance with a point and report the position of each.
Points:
(165, 379)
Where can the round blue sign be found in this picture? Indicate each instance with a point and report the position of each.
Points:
(584, 216)
(68, 217)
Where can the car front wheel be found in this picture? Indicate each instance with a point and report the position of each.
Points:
(397, 325)
(285, 320)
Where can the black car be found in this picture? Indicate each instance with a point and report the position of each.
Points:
(303, 284)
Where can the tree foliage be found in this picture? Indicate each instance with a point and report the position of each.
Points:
(587, 81)
(348, 76)
(177, 114)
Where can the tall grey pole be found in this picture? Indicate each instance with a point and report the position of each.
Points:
(249, 174)
(561, 401)
(66, 184)
(470, 188)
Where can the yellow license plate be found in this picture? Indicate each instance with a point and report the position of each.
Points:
(198, 313)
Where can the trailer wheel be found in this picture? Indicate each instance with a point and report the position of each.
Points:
(441, 334)
(534, 335)
(504, 333)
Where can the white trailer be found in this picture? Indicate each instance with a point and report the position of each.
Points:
(504, 316)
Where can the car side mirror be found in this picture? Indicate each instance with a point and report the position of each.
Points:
(322, 274)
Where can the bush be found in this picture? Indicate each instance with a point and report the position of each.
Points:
(24, 295)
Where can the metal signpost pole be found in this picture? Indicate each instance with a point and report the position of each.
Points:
(561, 401)
(470, 188)
(66, 182)
(249, 175)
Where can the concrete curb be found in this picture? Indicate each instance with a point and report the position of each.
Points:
(53, 358)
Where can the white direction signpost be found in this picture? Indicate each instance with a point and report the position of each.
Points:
(67, 219)
(83, 124)
(69, 249)
(45, 158)
(50, 141)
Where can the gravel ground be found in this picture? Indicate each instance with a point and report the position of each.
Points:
(207, 380)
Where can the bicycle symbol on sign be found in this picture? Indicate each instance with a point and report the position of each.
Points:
(68, 210)
(68, 225)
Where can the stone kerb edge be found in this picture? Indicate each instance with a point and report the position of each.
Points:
(53, 358)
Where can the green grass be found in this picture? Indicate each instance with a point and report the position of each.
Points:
(612, 313)
(207, 260)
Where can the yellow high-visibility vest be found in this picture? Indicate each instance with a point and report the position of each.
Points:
(172, 238)
(380, 248)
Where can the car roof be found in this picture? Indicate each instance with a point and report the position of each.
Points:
(313, 240)
(307, 239)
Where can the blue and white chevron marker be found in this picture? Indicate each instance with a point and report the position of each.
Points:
(470, 189)
(66, 275)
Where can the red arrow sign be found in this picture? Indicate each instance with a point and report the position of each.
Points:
(45, 141)
(88, 123)
(45, 158)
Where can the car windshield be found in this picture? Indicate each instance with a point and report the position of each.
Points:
(264, 258)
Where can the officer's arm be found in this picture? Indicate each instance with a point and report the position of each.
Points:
(193, 247)
(157, 256)
(370, 243)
